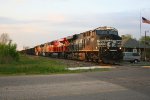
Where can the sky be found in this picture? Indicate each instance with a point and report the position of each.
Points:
(32, 22)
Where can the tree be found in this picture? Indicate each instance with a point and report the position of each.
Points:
(142, 39)
(8, 52)
(4, 38)
(126, 37)
(25, 47)
(145, 40)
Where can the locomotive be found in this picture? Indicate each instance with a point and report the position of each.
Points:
(102, 44)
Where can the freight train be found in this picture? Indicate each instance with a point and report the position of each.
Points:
(102, 44)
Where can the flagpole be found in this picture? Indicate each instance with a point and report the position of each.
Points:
(140, 31)
(140, 24)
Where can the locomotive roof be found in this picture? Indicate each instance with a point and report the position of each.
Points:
(76, 35)
(101, 28)
(105, 28)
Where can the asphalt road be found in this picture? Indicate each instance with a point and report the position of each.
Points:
(123, 83)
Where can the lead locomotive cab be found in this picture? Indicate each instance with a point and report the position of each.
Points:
(106, 46)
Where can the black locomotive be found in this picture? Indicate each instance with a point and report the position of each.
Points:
(102, 44)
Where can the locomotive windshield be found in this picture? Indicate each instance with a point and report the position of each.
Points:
(101, 32)
(113, 32)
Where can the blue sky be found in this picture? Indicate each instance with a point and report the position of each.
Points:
(33, 22)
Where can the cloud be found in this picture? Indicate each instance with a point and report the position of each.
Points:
(6, 20)
(53, 18)
(20, 1)
(125, 22)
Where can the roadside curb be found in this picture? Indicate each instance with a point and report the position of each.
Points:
(145, 66)
(92, 67)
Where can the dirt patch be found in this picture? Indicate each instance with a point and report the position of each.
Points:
(76, 63)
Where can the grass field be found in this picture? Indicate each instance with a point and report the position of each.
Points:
(37, 65)
(32, 65)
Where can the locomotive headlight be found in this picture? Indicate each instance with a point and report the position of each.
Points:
(120, 48)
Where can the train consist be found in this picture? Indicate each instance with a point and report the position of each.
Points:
(102, 44)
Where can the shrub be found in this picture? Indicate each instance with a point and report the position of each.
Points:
(8, 53)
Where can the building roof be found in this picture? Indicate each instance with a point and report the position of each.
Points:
(133, 43)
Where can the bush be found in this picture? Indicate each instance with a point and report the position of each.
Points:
(8, 53)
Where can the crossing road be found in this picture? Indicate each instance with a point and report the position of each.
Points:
(123, 84)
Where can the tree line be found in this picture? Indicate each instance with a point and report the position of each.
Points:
(142, 38)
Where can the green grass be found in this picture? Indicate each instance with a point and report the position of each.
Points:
(32, 65)
(37, 65)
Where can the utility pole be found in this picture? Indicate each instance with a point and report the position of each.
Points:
(145, 46)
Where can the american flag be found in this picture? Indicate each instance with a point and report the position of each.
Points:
(144, 20)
